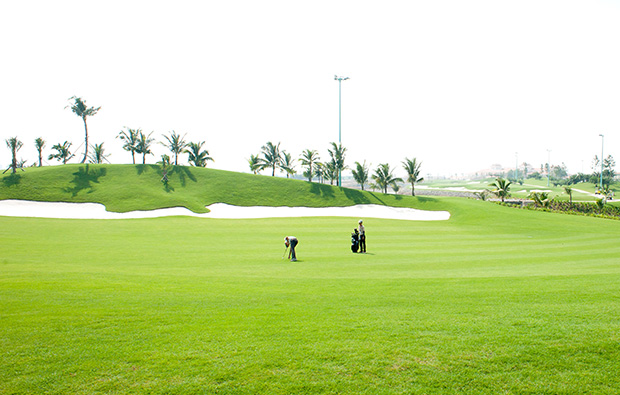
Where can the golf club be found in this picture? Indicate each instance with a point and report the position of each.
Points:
(285, 249)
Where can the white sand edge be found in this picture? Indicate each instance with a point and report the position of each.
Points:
(24, 208)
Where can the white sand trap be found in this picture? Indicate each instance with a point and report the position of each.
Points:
(23, 208)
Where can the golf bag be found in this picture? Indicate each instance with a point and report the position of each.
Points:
(355, 241)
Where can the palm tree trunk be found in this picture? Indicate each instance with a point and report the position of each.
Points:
(85, 140)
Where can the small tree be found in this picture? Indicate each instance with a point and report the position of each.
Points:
(176, 144)
(337, 154)
(330, 171)
(360, 174)
(502, 188)
(165, 168)
(14, 145)
(272, 157)
(319, 171)
(569, 192)
(384, 177)
(196, 155)
(541, 199)
(98, 154)
(39, 143)
(62, 152)
(80, 109)
(143, 145)
(287, 164)
(412, 168)
(255, 164)
(130, 138)
(309, 158)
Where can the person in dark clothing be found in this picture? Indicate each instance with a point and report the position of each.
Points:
(291, 241)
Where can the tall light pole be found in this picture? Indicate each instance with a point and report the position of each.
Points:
(516, 166)
(340, 79)
(602, 148)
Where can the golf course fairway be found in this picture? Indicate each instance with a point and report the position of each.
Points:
(495, 300)
(492, 300)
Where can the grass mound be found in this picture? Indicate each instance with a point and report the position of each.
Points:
(123, 188)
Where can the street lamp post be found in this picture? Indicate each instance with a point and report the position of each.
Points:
(340, 79)
(602, 148)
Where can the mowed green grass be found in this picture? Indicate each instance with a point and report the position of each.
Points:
(495, 300)
(123, 188)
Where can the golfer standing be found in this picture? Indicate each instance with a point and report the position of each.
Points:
(362, 232)
(291, 241)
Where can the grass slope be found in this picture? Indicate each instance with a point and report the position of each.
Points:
(495, 300)
(123, 188)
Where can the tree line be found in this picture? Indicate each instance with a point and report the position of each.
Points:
(135, 141)
(271, 157)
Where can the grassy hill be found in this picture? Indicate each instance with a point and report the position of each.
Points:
(123, 188)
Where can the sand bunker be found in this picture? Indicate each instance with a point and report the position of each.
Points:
(23, 208)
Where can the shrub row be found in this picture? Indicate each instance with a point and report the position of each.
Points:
(579, 208)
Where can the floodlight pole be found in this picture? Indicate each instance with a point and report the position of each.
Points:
(516, 166)
(340, 79)
(602, 148)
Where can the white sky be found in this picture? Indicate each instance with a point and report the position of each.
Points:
(458, 84)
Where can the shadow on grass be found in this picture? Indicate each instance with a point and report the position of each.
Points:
(184, 173)
(83, 179)
(11, 180)
(356, 196)
(322, 190)
(376, 197)
(143, 168)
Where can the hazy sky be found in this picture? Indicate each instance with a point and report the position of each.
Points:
(460, 85)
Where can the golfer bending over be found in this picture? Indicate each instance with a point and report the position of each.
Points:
(292, 242)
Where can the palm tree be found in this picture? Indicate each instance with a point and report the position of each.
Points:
(569, 192)
(360, 174)
(319, 171)
(541, 199)
(502, 188)
(143, 145)
(62, 152)
(130, 137)
(330, 171)
(176, 144)
(309, 158)
(81, 110)
(286, 164)
(337, 154)
(384, 177)
(98, 155)
(412, 167)
(271, 157)
(14, 145)
(197, 155)
(40, 144)
(255, 164)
